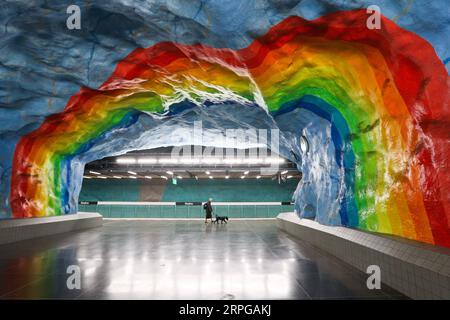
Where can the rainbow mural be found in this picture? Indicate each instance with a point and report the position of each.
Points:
(385, 91)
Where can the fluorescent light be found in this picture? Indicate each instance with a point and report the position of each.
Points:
(147, 160)
(132, 172)
(94, 172)
(274, 160)
(127, 160)
(207, 172)
(180, 177)
(164, 177)
(252, 160)
(169, 172)
(232, 161)
(211, 177)
(258, 177)
(289, 177)
(211, 160)
(86, 177)
(148, 177)
(189, 160)
(284, 172)
(132, 177)
(117, 177)
(168, 160)
(102, 177)
(246, 172)
(227, 177)
(242, 177)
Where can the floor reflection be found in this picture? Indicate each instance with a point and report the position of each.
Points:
(179, 260)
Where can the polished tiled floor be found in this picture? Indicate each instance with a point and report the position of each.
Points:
(179, 260)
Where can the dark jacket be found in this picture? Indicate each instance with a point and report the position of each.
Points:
(208, 208)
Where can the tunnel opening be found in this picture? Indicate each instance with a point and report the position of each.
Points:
(293, 134)
(165, 183)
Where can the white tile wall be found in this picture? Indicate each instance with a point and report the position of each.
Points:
(418, 270)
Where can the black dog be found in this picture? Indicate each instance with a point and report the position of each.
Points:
(221, 219)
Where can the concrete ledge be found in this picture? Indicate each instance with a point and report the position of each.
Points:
(13, 230)
(418, 270)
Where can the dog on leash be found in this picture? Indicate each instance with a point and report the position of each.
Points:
(221, 219)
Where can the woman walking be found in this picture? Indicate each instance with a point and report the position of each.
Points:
(208, 210)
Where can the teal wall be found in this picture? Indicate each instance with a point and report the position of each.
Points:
(110, 190)
(221, 190)
(187, 190)
(232, 190)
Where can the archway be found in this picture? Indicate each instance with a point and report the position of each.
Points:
(370, 107)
